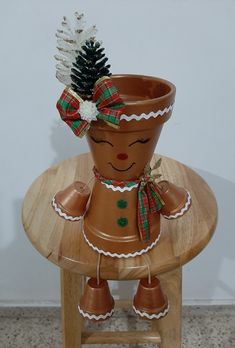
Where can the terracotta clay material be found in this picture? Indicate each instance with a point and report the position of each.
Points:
(122, 154)
(149, 298)
(73, 199)
(96, 302)
(174, 197)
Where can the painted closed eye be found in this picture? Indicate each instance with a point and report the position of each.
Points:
(141, 141)
(99, 141)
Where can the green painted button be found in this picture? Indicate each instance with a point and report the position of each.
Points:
(122, 222)
(122, 204)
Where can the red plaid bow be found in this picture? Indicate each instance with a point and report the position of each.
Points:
(108, 102)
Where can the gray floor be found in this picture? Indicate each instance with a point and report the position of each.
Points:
(207, 327)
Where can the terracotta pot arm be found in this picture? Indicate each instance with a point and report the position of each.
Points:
(71, 202)
(177, 200)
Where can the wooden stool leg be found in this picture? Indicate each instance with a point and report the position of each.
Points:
(72, 323)
(170, 327)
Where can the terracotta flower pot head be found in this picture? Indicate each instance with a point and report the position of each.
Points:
(122, 153)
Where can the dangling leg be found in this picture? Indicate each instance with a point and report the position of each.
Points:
(98, 269)
(149, 301)
(96, 302)
(148, 267)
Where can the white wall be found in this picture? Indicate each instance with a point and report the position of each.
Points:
(190, 43)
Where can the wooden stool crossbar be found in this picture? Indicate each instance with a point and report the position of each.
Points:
(62, 243)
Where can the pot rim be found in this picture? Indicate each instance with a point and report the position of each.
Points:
(147, 77)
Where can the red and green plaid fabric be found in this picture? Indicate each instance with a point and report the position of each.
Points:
(121, 183)
(106, 98)
(68, 107)
(108, 101)
(148, 201)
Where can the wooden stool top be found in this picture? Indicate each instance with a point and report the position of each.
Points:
(62, 242)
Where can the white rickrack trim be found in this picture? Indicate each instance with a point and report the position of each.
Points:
(147, 116)
(119, 188)
(183, 210)
(95, 317)
(152, 316)
(108, 253)
(63, 215)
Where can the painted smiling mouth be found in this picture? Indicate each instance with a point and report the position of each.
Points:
(121, 170)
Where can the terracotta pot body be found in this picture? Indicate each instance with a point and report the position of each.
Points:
(110, 224)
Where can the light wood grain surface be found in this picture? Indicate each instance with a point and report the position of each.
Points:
(170, 326)
(62, 242)
(72, 285)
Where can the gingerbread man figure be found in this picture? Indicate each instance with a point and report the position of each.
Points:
(122, 117)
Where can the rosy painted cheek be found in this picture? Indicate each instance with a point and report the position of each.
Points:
(122, 156)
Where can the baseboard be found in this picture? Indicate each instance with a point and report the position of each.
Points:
(29, 304)
(186, 302)
(214, 302)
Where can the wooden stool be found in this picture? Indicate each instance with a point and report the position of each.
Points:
(61, 242)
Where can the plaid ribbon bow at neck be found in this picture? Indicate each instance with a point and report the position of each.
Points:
(149, 199)
(106, 105)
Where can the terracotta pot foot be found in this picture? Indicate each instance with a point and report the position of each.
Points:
(96, 303)
(150, 301)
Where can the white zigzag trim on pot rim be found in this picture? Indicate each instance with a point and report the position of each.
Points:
(154, 114)
(63, 215)
(182, 211)
(95, 317)
(108, 253)
(119, 188)
(152, 316)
